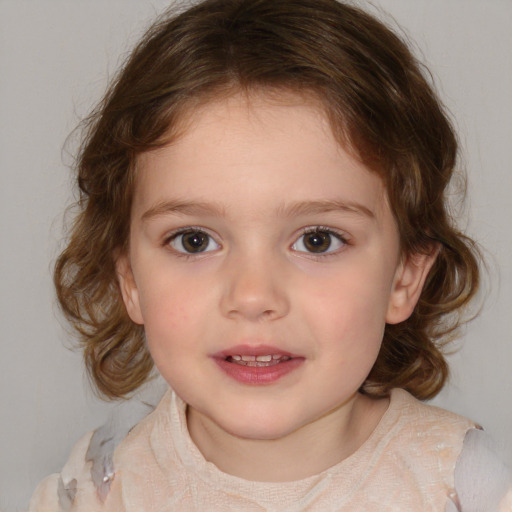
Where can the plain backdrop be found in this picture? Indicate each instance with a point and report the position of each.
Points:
(55, 60)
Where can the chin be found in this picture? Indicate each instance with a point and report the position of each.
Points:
(262, 428)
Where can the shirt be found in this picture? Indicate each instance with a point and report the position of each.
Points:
(408, 463)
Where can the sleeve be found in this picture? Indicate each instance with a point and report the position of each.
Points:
(85, 482)
(45, 497)
(483, 482)
(57, 492)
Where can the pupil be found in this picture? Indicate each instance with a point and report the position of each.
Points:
(317, 242)
(195, 242)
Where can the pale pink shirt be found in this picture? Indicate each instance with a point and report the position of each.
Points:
(407, 464)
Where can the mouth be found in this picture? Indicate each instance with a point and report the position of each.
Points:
(257, 365)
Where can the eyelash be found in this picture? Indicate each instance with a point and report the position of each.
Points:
(305, 231)
(329, 231)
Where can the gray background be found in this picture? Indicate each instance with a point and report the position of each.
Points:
(55, 58)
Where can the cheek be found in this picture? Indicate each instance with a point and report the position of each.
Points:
(167, 307)
(349, 299)
(169, 327)
(346, 315)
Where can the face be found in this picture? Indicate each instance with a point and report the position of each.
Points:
(264, 263)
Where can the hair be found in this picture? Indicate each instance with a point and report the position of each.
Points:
(380, 104)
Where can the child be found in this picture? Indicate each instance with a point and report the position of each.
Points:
(263, 218)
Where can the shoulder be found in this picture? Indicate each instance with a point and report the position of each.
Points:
(423, 411)
(453, 450)
(482, 479)
(90, 480)
(58, 491)
(420, 445)
(422, 421)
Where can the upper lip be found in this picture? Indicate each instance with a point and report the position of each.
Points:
(252, 350)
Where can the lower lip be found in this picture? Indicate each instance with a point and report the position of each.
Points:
(259, 375)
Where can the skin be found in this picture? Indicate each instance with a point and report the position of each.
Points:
(253, 174)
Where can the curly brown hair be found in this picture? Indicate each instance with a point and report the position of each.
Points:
(380, 104)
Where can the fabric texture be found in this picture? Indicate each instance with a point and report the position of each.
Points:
(407, 464)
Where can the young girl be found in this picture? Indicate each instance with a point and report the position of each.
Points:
(263, 218)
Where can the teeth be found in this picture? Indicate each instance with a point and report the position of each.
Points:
(265, 360)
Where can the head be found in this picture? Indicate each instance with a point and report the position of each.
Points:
(378, 106)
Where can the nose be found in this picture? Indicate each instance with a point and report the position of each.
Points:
(254, 289)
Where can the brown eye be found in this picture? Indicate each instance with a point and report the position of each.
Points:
(319, 241)
(193, 242)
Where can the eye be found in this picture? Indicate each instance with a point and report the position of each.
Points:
(192, 241)
(319, 241)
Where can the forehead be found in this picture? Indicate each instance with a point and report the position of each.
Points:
(256, 143)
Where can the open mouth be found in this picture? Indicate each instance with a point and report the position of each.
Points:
(258, 361)
(257, 365)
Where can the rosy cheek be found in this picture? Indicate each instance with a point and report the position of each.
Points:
(170, 311)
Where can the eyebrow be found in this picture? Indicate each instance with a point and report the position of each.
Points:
(285, 210)
(183, 208)
(324, 206)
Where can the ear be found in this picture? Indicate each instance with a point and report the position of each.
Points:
(128, 287)
(408, 284)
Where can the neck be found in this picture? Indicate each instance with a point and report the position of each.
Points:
(307, 451)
